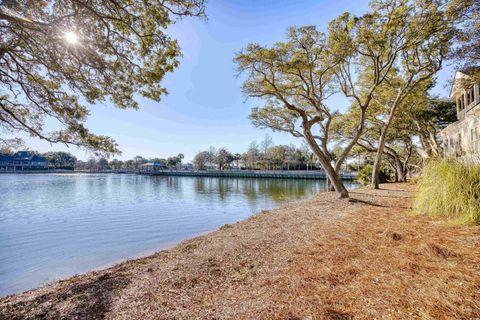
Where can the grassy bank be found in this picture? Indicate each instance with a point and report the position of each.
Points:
(450, 189)
(319, 259)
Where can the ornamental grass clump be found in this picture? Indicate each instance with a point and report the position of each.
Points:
(450, 189)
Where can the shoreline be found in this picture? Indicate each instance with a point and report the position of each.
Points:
(141, 255)
(62, 268)
(246, 174)
(144, 254)
(322, 258)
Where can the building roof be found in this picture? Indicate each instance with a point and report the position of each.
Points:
(459, 75)
(39, 159)
(23, 155)
(153, 164)
(470, 70)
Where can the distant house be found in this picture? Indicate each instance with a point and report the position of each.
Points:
(462, 138)
(23, 160)
(5, 162)
(187, 166)
(151, 167)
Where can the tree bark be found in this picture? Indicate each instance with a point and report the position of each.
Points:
(381, 144)
(330, 186)
(353, 142)
(400, 169)
(398, 165)
(332, 175)
(378, 160)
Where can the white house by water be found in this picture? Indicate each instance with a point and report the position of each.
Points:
(462, 138)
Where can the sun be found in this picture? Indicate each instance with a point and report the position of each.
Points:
(70, 37)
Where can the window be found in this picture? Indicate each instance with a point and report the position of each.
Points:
(478, 93)
(460, 103)
(470, 96)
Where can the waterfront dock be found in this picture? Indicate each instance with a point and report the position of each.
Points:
(312, 175)
(309, 175)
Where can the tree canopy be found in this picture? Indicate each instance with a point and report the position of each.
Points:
(466, 17)
(296, 77)
(56, 57)
(60, 160)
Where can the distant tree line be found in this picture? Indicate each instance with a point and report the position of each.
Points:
(56, 159)
(259, 156)
(67, 161)
(135, 164)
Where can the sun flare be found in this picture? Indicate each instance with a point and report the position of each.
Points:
(70, 37)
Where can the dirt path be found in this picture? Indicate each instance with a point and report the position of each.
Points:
(319, 259)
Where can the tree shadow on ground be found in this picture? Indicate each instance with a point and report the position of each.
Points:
(90, 299)
(406, 196)
(374, 204)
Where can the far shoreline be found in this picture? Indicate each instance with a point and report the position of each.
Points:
(246, 174)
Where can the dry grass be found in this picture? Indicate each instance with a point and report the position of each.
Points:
(319, 259)
(450, 189)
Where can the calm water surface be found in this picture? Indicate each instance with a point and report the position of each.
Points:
(53, 226)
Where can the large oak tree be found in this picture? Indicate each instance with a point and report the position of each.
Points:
(295, 78)
(426, 41)
(57, 56)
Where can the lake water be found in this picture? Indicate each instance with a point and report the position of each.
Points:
(56, 225)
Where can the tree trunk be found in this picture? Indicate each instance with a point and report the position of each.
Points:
(428, 141)
(402, 175)
(399, 169)
(434, 147)
(391, 162)
(381, 144)
(330, 186)
(378, 159)
(332, 175)
(353, 142)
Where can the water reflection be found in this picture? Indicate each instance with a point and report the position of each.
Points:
(54, 226)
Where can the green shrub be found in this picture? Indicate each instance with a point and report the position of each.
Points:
(451, 190)
(365, 175)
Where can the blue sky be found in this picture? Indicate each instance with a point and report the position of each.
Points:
(205, 106)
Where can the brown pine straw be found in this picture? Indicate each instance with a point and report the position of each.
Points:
(318, 259)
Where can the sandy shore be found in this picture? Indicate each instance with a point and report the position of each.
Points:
(323, 258)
